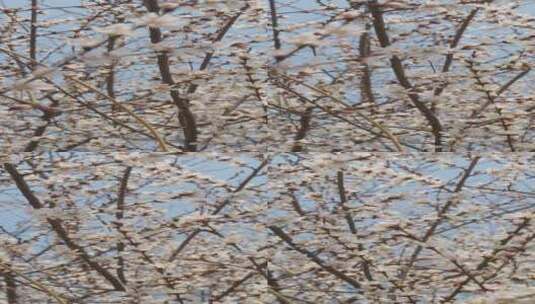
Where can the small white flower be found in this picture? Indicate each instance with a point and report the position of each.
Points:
(118, 29)
(305, 39)
(169, 5)
(154, 20)
(33, 86)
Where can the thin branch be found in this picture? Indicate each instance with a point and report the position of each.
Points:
(255, 87)
(304, 126)
(491, 100)
(314, 258)
(33, 31)
(376, 124)
(332, 19)
(219, 36)
(489, 258)
(463, 269)
(234, 285)
(399, 71)
(449, 57)
(110, 78)
(47, 117)
(147, 125)
(349, 219)
(218, 209)
(343, 201)
(508, 84)
(366, 91)
(119, 215)
(295, 204)
(275, 25)
(50, 111)
(55, 66)
(455, 41)
(60, 231)
(440, 217)
(10, 284)
(185, 116)
(34, 284)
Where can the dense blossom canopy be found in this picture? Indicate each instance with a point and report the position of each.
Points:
(283, 228)
(267, 151)
(254, 75)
